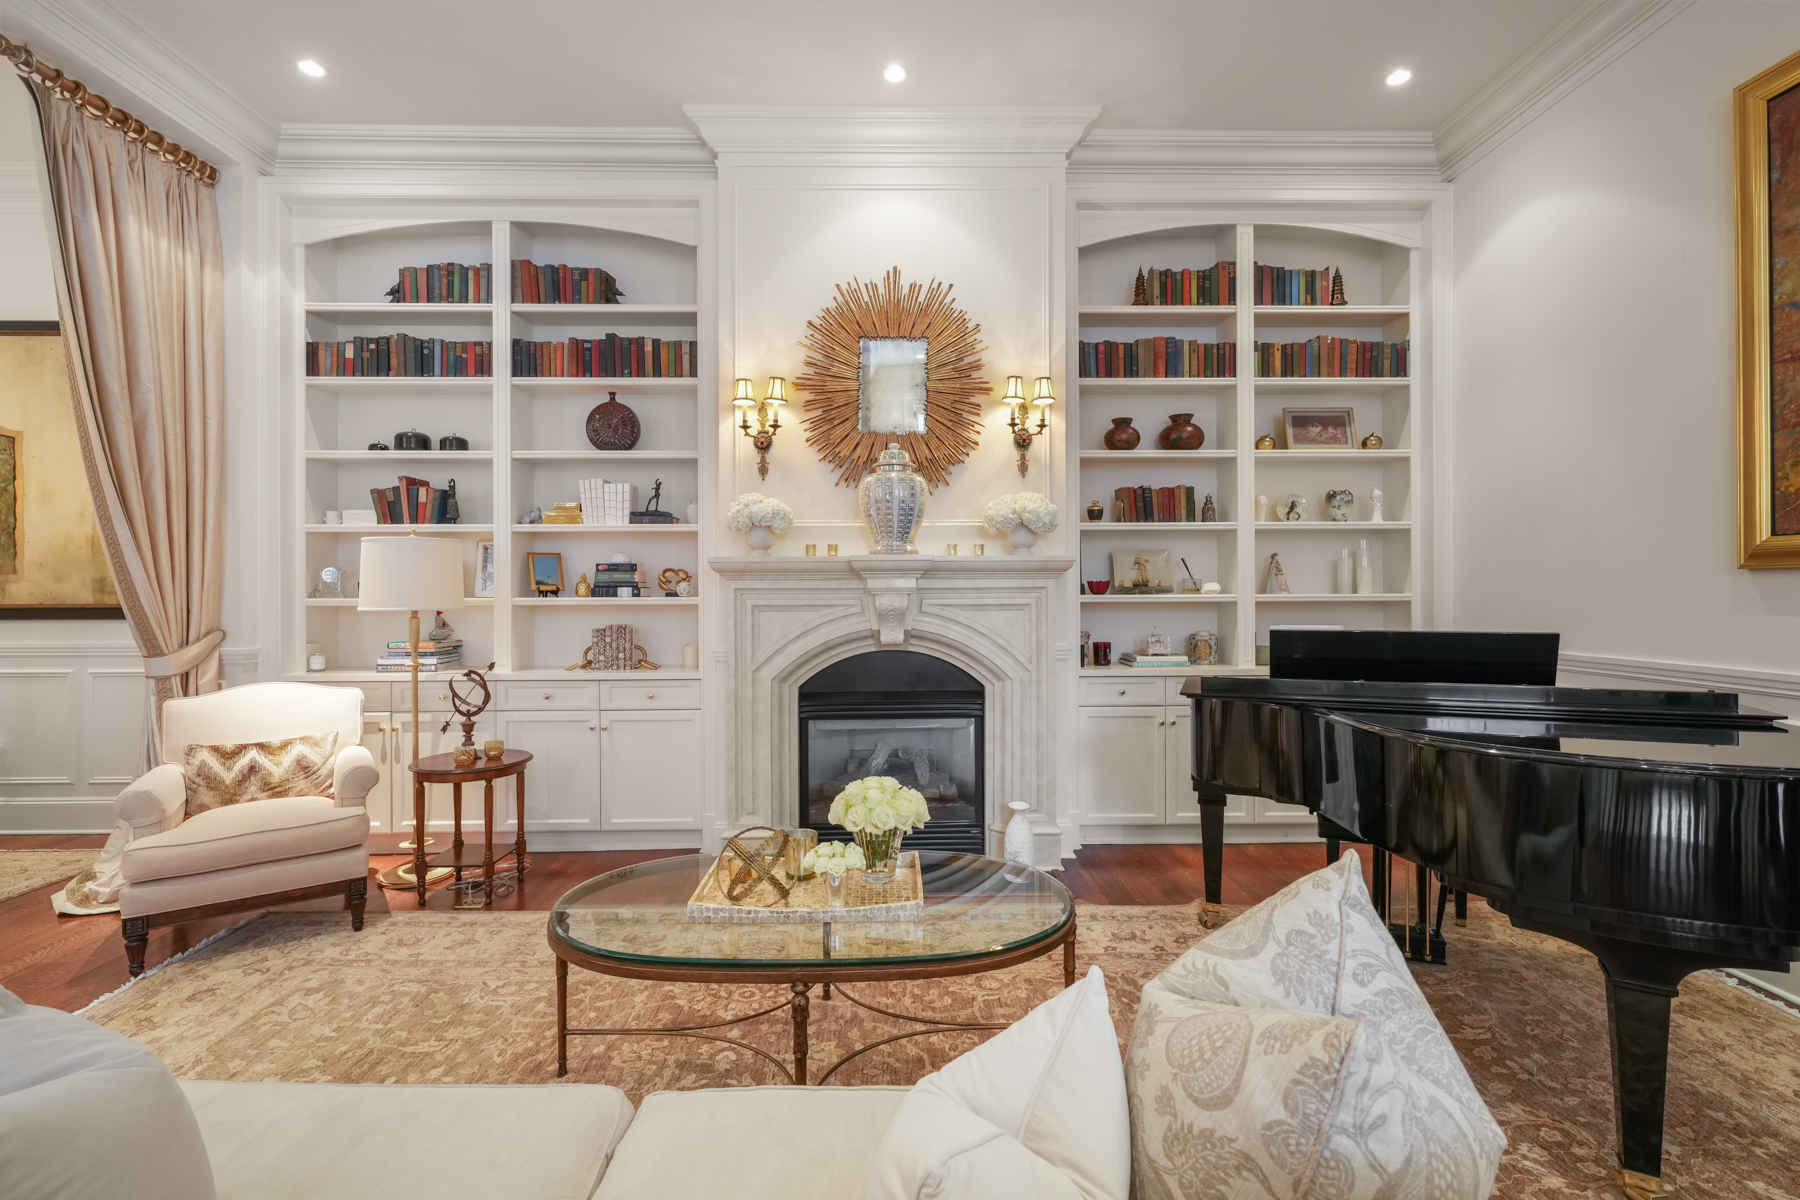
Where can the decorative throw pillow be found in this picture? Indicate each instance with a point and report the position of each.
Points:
(233, 773)
(1319, 947)
(1037, 1112)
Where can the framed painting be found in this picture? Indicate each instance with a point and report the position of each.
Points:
(1319, 428)
(52, 561)
(1766, 119)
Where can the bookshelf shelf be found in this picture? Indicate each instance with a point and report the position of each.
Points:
(402, 315)
(1387, 383)
(1330, 526)
(461, 385)
(385, 530)
(1268, 456)
(1323, 316)
(673, 315)
(351, 602)
(1153, 316)
(1160, 456)
(609, 530)
(1334, 598)
(448, 456)
(1183, 598)
(607, 455)
(642, 602)
(1140, 527)
(603, 383)
(1165, 386)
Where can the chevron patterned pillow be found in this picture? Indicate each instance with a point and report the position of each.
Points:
(233, 774)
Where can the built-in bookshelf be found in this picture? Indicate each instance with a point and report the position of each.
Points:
(528, 447)
(1382, 286)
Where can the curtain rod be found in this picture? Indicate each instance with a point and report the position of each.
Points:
(111, 115)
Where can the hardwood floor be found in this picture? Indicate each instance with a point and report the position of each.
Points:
(67, 962)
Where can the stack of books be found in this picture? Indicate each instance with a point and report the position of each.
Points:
(1216, 284)
(544, 283)
(617, 579)
(1148, 504)
(400, 355)
(1129, 659)
(1333, 358)
(444, 283)
(1292, 285)
(433, 656)
(1159, 358)
(604, 503)
(609, 357)
(414, 502)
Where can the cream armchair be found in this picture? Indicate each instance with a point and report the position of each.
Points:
(165, 867)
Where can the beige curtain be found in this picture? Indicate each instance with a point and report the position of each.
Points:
(141, 290)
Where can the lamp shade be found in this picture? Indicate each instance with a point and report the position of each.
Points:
(1043, 393)
(777, 390)
(746, 394)
(409, 573)
(1015, 390)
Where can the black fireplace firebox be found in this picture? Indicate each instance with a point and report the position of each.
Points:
(903, 714)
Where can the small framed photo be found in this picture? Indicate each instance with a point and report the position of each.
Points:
(1141, 573)
(484, 568)
(1319, 428)
(546, 573)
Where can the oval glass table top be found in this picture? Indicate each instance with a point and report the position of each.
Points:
(975, 907)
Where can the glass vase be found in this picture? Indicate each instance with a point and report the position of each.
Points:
(881, 854)
(834, 890)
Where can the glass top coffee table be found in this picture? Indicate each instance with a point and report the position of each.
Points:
(981, 914)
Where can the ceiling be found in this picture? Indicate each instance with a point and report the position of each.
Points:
(1151, 64)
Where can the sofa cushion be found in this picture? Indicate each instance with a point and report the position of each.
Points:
(243, 834)
(751, 1143)
(1319, 947)
(308, 1141)
(237, 772)
(89, 1114)
(1050, 1088)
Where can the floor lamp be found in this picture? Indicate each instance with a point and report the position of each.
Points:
(411, 574)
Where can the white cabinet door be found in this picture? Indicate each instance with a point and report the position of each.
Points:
(1182, 805)
(1273, 812)
(378, 740)
(1121, 753)
(440, 804)
(562, 781)
(651, 772)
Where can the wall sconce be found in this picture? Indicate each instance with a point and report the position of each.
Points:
(1020, 419)
(768, 417)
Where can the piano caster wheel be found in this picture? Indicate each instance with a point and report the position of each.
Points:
(1209, 916)
(1637, 1186)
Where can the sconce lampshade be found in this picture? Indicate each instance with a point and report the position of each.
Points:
(1015, 389)
(746, 394)
(407, 573)
(777, 390)
(1044, 394)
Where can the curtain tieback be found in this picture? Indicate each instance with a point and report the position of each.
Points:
(185, 659)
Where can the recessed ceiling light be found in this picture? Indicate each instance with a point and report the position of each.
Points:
(1399, 77)
(309, 67)
(895, 73)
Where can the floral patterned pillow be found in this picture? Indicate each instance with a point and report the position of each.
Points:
(217, 776)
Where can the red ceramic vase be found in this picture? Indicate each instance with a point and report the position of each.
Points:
(1182, 433)
(1121, 436)
(613, 426)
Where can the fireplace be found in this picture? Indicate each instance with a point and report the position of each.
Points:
(911, 716)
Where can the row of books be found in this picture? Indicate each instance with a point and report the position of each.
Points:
(400, 354)
(604, 503)
(411, 502)
(1292, 285)
(433, 656)
(1159, 358)
(1151, 504)
(1133, 659)
(444, 283)
(1216, 284)
(617, 580)
(559, 283)
(609, 357)
(1333, 358)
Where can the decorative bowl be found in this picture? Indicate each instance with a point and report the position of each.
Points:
(1099, 587)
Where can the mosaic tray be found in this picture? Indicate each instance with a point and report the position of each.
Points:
(807, 902)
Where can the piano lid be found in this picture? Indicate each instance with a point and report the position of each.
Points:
(1414, 656)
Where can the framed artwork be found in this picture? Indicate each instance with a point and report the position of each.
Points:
(1766, 112)
(546, 573)
(1319, 428)
(1141, 573)
(484, 568)
(52, 561)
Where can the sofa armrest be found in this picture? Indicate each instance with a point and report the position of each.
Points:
(353, 775)
(156, 803)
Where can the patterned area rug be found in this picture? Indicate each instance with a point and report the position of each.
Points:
(24, 871)
(470, 997)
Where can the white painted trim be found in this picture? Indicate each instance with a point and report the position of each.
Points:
(68, 650)
(767, 131)
(1314, 152)
(1763, 984)
(499, 147)
(1783, 684)
(1567, 57)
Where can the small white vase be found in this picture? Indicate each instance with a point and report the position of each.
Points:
(1022, 538)
(1018, 834)
(760, 537)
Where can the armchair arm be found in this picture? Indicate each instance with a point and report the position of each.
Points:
(156, 803)
(353, 775)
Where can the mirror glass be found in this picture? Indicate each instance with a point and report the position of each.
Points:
(893, 386)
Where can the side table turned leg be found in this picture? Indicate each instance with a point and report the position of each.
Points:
(420, 874)
(137, 938)
(487, 844)
(802, 1004)
(1069, 957)
(562, 1017)
(519, 831)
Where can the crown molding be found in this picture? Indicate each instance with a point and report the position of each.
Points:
(760, 131)
(1567, 57)
(508, 147)
(110, 50)
(1782, 684)
(19, 189)
(1362, 152)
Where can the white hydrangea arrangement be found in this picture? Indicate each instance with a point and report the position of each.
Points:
(754, 509)
(834, 858)
(1030, 509)
(879, 805)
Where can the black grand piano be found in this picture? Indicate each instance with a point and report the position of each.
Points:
(1658, 830)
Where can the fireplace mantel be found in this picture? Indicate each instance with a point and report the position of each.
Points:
(788, 617)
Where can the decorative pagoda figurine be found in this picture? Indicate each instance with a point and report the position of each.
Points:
(1140, 291)
(1337, 287)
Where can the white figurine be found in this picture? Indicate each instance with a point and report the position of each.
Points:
(1209, 589)
(1375, 505)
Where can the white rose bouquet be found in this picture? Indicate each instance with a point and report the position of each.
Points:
(834, 858)
(1030, 509)
(753, 509)
(878, 812)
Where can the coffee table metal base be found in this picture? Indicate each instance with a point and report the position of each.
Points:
(799, 1001)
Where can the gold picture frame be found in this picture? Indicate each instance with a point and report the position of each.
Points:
(834, 367)
(1768, 410)
(1324, 428)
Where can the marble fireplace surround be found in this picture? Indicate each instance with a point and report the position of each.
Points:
(788, 617)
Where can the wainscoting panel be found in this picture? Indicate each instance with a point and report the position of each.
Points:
(71, 733)
(116, 732)
(38, 731)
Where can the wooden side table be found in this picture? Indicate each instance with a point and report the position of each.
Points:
(442, 768)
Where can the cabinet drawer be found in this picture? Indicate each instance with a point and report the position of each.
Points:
(377, 697)
(540, 696)
(1121, 691)
(434, 695)
(684, 693)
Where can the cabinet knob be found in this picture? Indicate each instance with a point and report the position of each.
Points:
(1121, 691)
(546, 695)
(590, 726)
(603, 727)
(441, 696)
(649, 695)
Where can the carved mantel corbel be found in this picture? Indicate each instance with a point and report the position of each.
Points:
(892, 587)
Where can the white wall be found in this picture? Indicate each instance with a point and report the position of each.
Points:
(1594, 405)
(27, 292)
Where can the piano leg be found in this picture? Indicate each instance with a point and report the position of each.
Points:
(1212, 856)
(1462, 908)
(1331, 851)
(1423, 943)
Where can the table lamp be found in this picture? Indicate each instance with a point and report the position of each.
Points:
(411, 574)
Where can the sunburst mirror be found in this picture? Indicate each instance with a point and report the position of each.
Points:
(892, 362)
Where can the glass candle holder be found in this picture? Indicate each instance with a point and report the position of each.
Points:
(800, 843)
(812, 549)
(834, 890)
(831, 549)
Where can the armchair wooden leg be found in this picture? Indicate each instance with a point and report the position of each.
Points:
(137, 938)
(358, 894)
